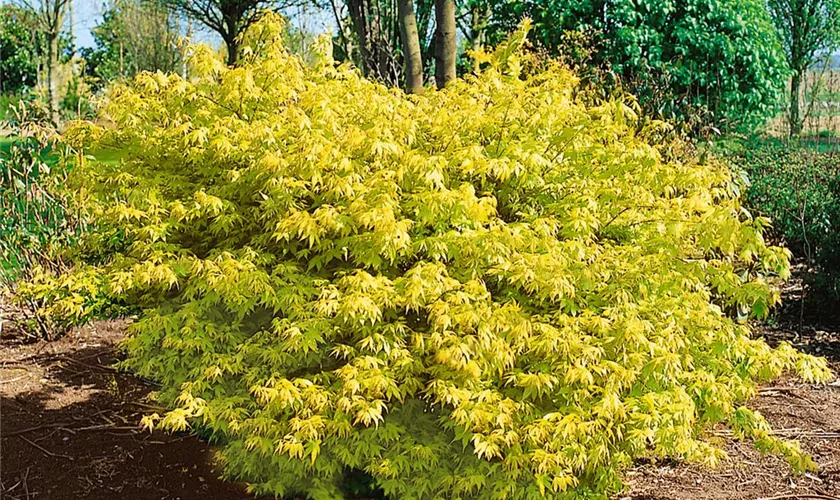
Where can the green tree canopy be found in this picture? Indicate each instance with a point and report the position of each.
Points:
(712, 61)
(20, 49)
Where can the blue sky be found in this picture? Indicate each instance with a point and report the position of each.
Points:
(86, 15)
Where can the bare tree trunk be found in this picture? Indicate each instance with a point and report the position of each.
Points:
(478, 30)
(52, 74)
(411, 47)
(232, 50)
(232, 21)
(356, 9)
(72, 23)
(340, 27)
(445, 43)
(793, 118)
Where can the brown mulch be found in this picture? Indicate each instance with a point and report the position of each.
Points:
(807, 413)
(70, 430)
(70, 427)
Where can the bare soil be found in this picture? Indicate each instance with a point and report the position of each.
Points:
(70, 428)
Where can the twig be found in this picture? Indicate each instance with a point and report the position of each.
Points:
(93, 367)
(36, 428)
(813, 477)
(787, 390)
(143, 405)
(109, 427)
(26, 483)
(12, 380)
(48, 452)
(7, 490)
(778, 388)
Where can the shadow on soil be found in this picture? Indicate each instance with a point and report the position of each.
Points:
(70, 430)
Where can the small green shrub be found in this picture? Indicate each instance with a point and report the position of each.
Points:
(490, 291)
(32, 217)
(798, 188)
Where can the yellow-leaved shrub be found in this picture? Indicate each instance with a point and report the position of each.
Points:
(490, 291)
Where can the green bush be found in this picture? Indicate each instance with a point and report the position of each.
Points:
(709, 63)
(19, 49)
(489, 291)
(32, 217)
(798, 188)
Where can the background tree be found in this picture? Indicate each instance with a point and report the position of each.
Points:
(701, 61)
(228, 18)
(370, 35)
(106, 60)
(49, 16)
(19, 49)
(135, 36)
(806, 29)
(411, 47)
(445, 42)
(472, 18)
(376, 29)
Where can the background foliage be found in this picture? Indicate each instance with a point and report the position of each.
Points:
(707, 62)
(134, 36)
(798, 187)
(18, 49)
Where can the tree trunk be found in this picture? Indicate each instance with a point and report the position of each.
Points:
(478, 29)
(52, 75)
(793, 119)
(411, 47)
(445, 43)
(232, 45)
(356, 10)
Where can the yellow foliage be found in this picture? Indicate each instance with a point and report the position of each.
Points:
(491, 291)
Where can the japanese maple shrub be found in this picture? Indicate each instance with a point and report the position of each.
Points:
(491, 291)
